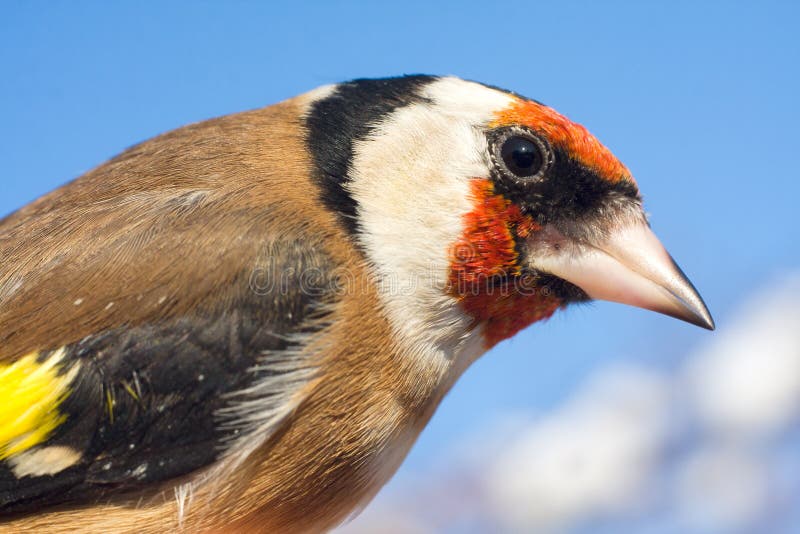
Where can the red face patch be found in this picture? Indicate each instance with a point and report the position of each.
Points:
(485, 274)
(569, 136)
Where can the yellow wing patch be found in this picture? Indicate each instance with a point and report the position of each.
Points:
(31, 393)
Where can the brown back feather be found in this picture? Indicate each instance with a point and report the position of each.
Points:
(182, 216)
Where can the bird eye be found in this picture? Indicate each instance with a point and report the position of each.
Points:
(522, 154)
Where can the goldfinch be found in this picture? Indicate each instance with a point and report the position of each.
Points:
(243, 325)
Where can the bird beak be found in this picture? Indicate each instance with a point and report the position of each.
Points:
(629, 266)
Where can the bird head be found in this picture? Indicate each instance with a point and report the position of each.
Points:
(481, 210)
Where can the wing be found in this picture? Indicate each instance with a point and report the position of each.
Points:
(154, 314)
(142, 405)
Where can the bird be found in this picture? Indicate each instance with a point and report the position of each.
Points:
(242, 325)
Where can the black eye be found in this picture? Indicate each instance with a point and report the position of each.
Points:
(522, 156)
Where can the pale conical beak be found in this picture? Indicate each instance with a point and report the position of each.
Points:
(631, 267)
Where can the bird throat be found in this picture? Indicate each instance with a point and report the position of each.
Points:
(485, 272)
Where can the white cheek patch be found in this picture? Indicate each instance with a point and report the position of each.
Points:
(411, 181)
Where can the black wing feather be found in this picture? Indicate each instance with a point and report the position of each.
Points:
(144, 408)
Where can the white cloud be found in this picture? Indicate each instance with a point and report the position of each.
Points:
(590, 457)
(747, 380)
(722, 488)
(390, 519)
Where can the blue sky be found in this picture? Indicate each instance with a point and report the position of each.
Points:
(700, 100)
